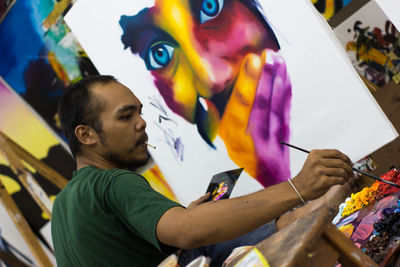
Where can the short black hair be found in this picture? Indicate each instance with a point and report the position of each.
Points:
(78, 106)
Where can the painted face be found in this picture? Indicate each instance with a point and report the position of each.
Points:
(194, 49)
(216, 64)
(123, 136)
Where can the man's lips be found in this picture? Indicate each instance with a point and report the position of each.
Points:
(142, 140)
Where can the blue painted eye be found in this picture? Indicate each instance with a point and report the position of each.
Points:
(210, 9)
(159, 56)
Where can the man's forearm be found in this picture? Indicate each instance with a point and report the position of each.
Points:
(226, 219)
(214, 222)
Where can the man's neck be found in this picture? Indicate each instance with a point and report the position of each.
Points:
(93, 160)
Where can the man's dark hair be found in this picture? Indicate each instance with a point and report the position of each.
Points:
(79, 106)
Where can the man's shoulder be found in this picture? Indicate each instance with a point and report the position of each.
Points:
(101, 180)
(127, 176)
(91, 171)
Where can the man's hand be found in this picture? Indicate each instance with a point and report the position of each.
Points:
(322, 169)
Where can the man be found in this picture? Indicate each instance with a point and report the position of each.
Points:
(110, 216)
(216, 63)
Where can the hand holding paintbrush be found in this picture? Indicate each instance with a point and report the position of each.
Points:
(354, 169)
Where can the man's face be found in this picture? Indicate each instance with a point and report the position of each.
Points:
(194, 50)
(123, 135)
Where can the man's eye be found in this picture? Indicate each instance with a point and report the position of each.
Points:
(210, 9)
(126, 117)
(159, 56)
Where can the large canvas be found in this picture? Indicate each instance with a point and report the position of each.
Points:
(223, 82)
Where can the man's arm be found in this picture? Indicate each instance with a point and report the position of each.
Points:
(214, 222)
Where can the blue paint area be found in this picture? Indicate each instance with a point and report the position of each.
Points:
(21, 39)
(345, 2)
(39, 63)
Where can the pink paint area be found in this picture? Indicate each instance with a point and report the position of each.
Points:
(366, 226)
(224, 41)
(8, 104)
(269, 121)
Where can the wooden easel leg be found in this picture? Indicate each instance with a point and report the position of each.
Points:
(23, 227)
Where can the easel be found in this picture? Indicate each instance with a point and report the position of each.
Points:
(16, 155)
(311, 241)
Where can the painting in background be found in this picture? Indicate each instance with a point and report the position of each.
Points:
(328, 8)
(372, 43)
(40, 56)
(22, 124)
(206, 84)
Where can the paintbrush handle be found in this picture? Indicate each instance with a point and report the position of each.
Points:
(354, 169)
(376, 178)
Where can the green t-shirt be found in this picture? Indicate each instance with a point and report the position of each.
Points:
(108, 218)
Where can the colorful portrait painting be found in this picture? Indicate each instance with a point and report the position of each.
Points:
(223, 82)
(216, 64)
(373, 44)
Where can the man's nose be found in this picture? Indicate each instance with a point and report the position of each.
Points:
(141, 125)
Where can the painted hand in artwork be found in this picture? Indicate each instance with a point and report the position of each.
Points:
(256, 118)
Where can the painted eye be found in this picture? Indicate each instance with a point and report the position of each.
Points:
(159, 56)
(210, 9)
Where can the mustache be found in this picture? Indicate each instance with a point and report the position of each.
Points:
(143, 138)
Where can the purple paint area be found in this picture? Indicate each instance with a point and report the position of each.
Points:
(269, 121)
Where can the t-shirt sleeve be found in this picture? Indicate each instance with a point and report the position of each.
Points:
(138, 205)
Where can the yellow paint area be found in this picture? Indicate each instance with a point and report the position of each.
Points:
(184, 91)
(30, 134)
(234, 124)
(44, 215)
(329, 9)
(10, 184)
(158, 182)
(370, 54)
(347, 230)
(175, 18)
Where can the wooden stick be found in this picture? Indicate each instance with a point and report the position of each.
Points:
(23, 227)
(47, 172)
(25, 177)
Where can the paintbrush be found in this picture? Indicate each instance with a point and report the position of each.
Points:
(354, 169)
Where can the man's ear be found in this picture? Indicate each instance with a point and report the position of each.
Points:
(86, 135)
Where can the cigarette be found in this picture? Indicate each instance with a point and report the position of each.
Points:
(150, 145)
